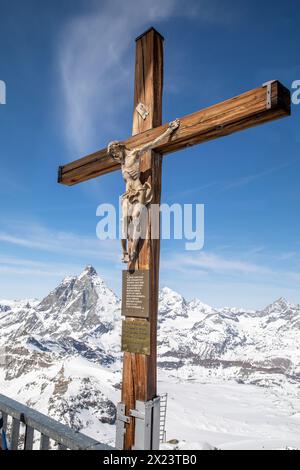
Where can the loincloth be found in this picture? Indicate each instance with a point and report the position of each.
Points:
(134, 195)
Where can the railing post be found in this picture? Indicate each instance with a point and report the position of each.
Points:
(29, 438)
(44, 445)
(15, 432)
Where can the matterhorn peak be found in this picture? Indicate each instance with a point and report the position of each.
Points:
(89, 271)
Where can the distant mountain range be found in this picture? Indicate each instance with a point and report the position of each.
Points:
(62, 355)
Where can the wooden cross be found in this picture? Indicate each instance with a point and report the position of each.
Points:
(266, 103)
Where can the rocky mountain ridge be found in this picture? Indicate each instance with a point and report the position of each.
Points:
(62, 354)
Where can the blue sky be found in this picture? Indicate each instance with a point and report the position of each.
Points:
(68, 68)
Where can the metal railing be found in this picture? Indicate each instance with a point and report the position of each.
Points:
(52, 434)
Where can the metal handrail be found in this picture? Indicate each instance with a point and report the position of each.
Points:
(65, 437)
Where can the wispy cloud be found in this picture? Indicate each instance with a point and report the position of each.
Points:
(94, 65)
(215, 263)
(212, 275)
(20, 266)
(211, 264)
(40, 238)
(245, 180)
(287, 256)
(226, 185)
(34, 259)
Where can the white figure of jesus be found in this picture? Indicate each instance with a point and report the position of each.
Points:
(137, 194)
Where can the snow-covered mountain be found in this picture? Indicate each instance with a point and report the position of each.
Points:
(62, 355)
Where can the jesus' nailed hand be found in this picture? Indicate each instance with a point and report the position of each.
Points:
(137, 194)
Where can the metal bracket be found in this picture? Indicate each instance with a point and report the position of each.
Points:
(269, 92)
(137, 414)
(121, 420)
(147, 422)
(147, 425)
(142, 110)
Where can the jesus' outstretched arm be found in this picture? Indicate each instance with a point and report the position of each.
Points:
(173, 126)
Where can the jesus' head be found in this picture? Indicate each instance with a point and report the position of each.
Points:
(116, 150)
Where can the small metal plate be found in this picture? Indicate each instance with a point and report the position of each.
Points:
(135, 293)
(142, 110)
(269, 92)
(136, 336)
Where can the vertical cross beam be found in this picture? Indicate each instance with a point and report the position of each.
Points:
(140, 371)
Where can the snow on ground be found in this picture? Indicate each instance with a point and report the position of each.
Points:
(230, 416)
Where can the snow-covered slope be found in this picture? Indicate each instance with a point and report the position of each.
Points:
(62, 355)
(229, 416)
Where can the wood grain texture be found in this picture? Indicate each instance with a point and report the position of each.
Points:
(139, 371)
(236, 114)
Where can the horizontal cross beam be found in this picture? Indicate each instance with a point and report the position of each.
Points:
(236, 114)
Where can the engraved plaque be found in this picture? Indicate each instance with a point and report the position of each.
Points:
(136, 336)
(135, 294)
